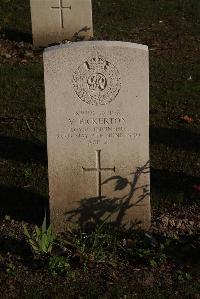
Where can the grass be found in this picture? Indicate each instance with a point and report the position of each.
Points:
(15, 15)
(74, 266)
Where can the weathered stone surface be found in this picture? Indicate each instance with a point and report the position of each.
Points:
(56, 20)
(98, 133)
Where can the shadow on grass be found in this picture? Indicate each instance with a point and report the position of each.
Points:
(15, 35)
(14, 246)
(22, 150)
(183, 139)
(173, 187)
(23, 205)
(185, 251)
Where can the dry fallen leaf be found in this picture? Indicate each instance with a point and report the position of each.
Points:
(187, 119)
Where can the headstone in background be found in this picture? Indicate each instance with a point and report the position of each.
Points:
(56, 20)
(97, 109)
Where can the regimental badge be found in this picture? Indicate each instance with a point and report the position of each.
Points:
(97, 81)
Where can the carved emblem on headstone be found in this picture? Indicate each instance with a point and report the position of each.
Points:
(97, 81)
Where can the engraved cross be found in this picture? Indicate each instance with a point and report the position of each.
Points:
(98, 170)
(61, 7)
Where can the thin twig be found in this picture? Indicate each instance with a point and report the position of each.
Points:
(27, 124)
(5, 118)
(162, 49)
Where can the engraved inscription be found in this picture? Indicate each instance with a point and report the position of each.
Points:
(97, 81)
(99, 128)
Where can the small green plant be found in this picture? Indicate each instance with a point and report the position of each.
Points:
(27, 173)
(59, 265)
(41, 239)
(10, 269)
(143, 251)
(183, 276)
(99, 246)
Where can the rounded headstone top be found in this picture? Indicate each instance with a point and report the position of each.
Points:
(97, 44)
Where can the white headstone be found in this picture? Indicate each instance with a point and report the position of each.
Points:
(54, 21)
(97, 111)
